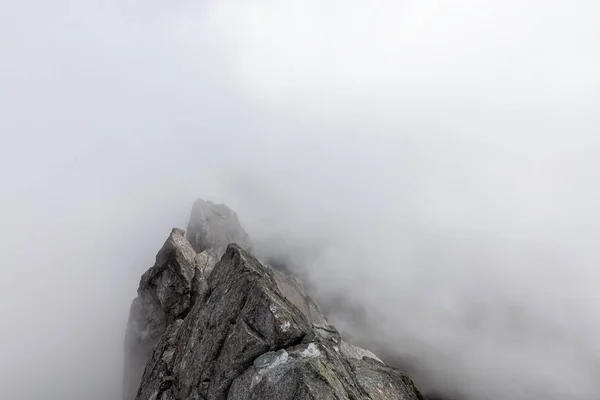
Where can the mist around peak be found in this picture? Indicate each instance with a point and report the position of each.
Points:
(432, 164)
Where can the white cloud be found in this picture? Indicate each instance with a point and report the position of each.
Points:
(446, 153)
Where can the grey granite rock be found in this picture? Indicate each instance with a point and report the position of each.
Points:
(170, 288)
(166, 293)
(255, 334)
(237, 329)
(213, 227)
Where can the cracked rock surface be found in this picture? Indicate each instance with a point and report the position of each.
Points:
(166, 293)
(240, 330)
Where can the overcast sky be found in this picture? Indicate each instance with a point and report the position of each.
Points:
(446, 153)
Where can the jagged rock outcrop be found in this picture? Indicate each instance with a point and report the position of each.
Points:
(257, 335)
(168, 290)
(239, 330)
(213, 226)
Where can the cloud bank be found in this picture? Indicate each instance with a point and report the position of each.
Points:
(438, 161)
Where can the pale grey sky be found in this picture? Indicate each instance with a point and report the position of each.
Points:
(446, 152)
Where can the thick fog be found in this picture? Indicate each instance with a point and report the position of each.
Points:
(435, 162)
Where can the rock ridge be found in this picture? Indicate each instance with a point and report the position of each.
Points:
(237, 329)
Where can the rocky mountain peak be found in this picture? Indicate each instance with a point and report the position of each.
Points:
(213, 226)
(237, 329)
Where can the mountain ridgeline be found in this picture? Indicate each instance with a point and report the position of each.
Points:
(211, 322)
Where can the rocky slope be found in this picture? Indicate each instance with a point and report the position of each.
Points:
(237, 329)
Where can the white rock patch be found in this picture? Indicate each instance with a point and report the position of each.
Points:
(311, 351)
